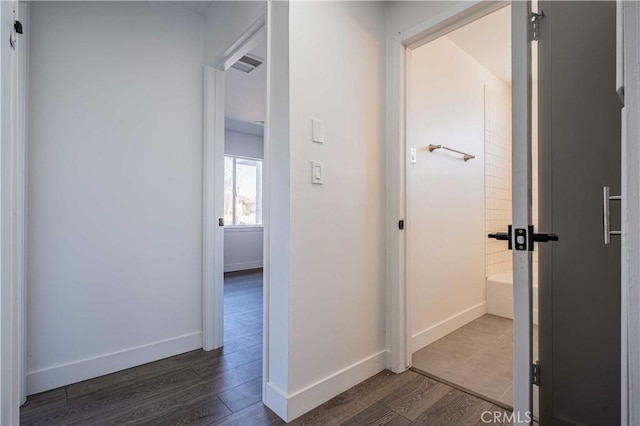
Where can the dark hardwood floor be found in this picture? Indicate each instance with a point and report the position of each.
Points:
(223, 387)
(197, 387)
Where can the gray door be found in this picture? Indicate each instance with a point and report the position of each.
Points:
(579, 144)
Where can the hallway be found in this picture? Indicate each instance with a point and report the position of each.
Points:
(195, 388)
(223, 387)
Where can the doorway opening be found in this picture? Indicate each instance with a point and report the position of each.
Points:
(459, 190)
(245, 111)
(235, 193)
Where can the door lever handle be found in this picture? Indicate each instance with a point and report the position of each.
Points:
(545, 238)
(606, 213)
(521, 238)
(503, 236)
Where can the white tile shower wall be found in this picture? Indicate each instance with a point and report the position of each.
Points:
(497, 139)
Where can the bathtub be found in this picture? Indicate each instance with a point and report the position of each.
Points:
(500, 295)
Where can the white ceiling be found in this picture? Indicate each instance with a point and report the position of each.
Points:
(245, 94)
(488, 40)
(199, 7)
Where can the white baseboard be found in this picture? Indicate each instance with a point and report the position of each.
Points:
(233, 267)
(276, 399)
(88, 368)
(298, 403)
(441, 329)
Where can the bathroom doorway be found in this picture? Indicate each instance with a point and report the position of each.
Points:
(459, 190)
(459, 325)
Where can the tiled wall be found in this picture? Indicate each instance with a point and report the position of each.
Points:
(497, 141)
(497, 171)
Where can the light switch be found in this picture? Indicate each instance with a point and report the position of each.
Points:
(317, 171)
(317, 131)
(414, 156)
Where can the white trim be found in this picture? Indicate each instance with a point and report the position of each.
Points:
(88, 368)
(275, 361)
(244, 228)
(397, 304)
(251, 38)
(444, 327)
(24, 9)
(631, 216)
(276, 399)
(457, 16)
(11, 291)
(243, 266)
(521, 208)
(290, 407)
(212, 208)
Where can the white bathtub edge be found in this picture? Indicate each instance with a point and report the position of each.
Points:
(500, 296)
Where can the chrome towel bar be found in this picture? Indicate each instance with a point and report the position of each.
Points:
(465, 156)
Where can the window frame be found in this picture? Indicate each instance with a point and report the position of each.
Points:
(233, 225)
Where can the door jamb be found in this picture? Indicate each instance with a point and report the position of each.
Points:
(212, 191)
(399, 320)
(13, 379)
(630, 393)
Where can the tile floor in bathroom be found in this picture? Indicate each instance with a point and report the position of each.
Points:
(477, 357)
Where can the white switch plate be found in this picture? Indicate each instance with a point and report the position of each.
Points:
(414, 156)
(317, 131)
(317, 173)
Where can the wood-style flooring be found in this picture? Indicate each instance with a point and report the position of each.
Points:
(223, 387)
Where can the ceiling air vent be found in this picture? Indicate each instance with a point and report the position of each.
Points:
(247, 63)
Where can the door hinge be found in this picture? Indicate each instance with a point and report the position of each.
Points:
(401, 224)
(535, 24)
(535, 373)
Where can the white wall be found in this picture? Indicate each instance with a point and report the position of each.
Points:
(115, 182)
(243, 144)
(325, 268)
(243, 246)
(225, 22)
(404, 15)
(337, 286)
(446, 216)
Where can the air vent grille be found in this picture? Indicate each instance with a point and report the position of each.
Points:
(247, 63)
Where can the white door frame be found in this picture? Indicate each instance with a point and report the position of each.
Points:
(398, 303)
(12, 212)
(521, 211)
(213, 185)
(398, 306)
(631, 215)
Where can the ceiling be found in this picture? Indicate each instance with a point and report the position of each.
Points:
(199, 7)
(245, 94)
(488, 40)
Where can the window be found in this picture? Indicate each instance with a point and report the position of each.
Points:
(242, 191)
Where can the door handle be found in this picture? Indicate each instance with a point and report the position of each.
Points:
(521, 238)
(503, 236)
(606, 213)
(544, 238)
(220, 221)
